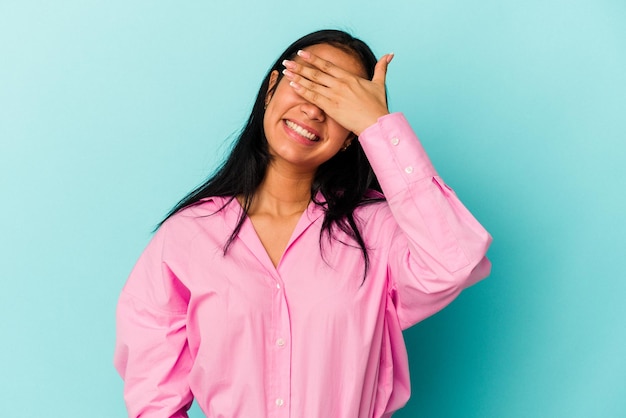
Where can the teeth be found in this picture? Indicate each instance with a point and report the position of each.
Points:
(300, 130)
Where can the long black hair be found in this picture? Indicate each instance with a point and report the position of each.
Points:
(343, 181)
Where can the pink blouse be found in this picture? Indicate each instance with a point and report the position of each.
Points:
(311, 337)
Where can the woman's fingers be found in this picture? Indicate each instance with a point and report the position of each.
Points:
(380, 71)
(312, 96)
(351, 100)
(304, 80)
(326, 67)
(296, 71)
(324, 72)
(317, 79)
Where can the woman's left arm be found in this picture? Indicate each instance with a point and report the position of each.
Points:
(439, 248)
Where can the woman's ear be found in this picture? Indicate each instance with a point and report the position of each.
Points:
(271, 86)
(348, 141)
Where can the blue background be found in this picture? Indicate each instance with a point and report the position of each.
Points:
(112, 110)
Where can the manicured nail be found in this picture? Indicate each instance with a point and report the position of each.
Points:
(289, 64)
(288, 73)
(304, 54)
(294, 85)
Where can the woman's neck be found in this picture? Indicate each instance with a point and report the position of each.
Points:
(282, 193)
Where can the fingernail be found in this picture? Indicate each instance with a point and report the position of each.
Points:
(288, 73)
(390, 57)
(289, 64)
(294, 85)
(304, 54)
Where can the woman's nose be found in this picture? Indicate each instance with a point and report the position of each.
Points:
(313, 112)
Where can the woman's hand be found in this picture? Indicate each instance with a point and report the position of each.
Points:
(352, 101)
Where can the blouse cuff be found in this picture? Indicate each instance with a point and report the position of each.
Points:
(395, 153)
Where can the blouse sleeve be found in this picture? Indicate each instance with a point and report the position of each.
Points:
(151, 351)
(438, 248)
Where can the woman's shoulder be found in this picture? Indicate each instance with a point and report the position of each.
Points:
(204, 207)
(206, 213)
(205, 224)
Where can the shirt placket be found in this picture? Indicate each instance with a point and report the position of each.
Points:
(279, 402)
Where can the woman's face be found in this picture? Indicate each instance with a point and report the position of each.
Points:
(298, 132)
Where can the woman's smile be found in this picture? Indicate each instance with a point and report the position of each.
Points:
(300, 133)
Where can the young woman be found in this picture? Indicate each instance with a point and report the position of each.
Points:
(281, 286)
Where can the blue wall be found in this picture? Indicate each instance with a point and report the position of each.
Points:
(112, 110)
